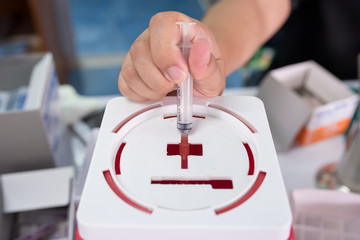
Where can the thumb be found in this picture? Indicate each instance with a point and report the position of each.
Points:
(199, 58)
(207, 71)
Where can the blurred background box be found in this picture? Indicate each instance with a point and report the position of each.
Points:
(30, 129)
(306, 102)
(37, 204)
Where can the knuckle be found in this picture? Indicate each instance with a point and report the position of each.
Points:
(163, 87)
(128, 72)
(154, 19)
(123, 88)
(168, 15)
(158, 17)
(124, 91)
(137, 49)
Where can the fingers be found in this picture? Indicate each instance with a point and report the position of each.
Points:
(125, 87)
(156, 85)
(134, 87)
(140, 79)
(155, 64)
(207, 70)
(164, 39)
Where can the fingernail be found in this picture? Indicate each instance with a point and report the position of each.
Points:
(175, 74)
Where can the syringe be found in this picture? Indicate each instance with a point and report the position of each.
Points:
(185, 89)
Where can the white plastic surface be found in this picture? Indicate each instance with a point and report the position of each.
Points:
(185, 211)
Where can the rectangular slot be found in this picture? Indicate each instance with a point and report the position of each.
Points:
(216, 183)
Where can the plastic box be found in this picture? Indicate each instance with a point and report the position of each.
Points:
(147, 182)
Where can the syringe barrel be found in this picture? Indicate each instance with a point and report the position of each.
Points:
(185, 89)
(185, 101)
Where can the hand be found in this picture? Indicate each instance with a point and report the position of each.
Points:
(155, 65)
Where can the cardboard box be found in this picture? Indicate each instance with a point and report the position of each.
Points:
(305, 102)
(5, 220)
(41, 199)
(32, 137)
(29, 136)
(37, 189)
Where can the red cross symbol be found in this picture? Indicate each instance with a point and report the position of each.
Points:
(184, 149)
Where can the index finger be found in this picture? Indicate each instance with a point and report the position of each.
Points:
(164, 40)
